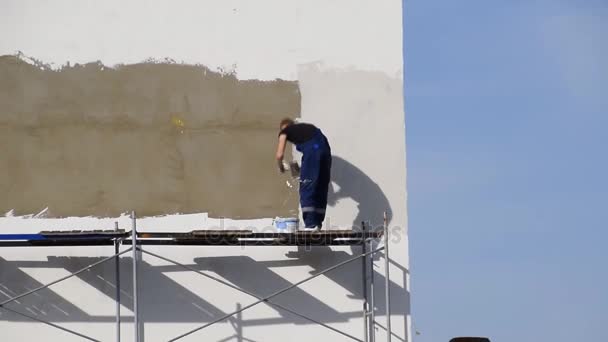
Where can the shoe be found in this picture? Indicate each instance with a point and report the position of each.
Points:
(311, 229)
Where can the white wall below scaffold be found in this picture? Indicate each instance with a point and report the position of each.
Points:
(346, 56)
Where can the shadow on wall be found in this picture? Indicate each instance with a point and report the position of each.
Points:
(169, 301)
(371, 201)
(355, 184)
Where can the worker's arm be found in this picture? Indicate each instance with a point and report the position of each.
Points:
(281, 151)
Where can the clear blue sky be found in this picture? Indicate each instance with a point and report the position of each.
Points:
(507, 138)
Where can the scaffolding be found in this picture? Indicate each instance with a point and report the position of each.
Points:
(136, 240)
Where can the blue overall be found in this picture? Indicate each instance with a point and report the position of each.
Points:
(314, 179)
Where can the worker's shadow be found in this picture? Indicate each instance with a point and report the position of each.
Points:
(259, 277)
(350, 182)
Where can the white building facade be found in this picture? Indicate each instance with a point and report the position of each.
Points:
(343, 61)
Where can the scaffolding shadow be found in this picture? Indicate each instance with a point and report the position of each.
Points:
(166, 301)
(169, 301)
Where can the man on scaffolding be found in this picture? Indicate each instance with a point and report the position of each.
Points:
(315, 168)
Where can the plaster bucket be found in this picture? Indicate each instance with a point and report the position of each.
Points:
(286, 224)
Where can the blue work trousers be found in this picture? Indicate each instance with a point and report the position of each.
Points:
(315, 176)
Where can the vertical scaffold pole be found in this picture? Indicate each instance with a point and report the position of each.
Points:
(117, 283)
(135, 287)
(372, 304)
(365, 303)
(387, 278)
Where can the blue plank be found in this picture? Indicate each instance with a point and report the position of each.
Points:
(22, 237)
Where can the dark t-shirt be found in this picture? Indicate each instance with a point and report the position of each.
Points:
(298, 133)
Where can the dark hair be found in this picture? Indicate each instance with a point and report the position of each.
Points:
(286, 122)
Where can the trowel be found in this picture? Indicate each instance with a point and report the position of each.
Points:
(294, 168)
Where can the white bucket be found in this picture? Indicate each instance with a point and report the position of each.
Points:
(286, 224)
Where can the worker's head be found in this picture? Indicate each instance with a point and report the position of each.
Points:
(285, 122)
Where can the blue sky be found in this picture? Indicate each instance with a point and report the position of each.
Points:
(507, 120)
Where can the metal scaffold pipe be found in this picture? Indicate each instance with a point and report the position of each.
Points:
(117, 270)
(387, 278)
(135, 287)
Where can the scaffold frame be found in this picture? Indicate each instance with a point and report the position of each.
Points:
(137, 240)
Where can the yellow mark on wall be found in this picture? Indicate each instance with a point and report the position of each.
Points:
(178, 123)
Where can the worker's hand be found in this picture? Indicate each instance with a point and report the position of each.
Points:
(281, 166)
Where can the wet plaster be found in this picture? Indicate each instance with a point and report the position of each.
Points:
(158, 138)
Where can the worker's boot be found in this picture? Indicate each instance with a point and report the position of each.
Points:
(312, 229)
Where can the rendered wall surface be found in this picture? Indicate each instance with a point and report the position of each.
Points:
(172, 107)
(156, 137)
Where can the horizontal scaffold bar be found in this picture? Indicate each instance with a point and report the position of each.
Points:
(194, 238)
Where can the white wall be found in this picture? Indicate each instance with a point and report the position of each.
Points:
(346, 56)
(266, 39)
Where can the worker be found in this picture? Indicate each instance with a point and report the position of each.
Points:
(315, 168)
